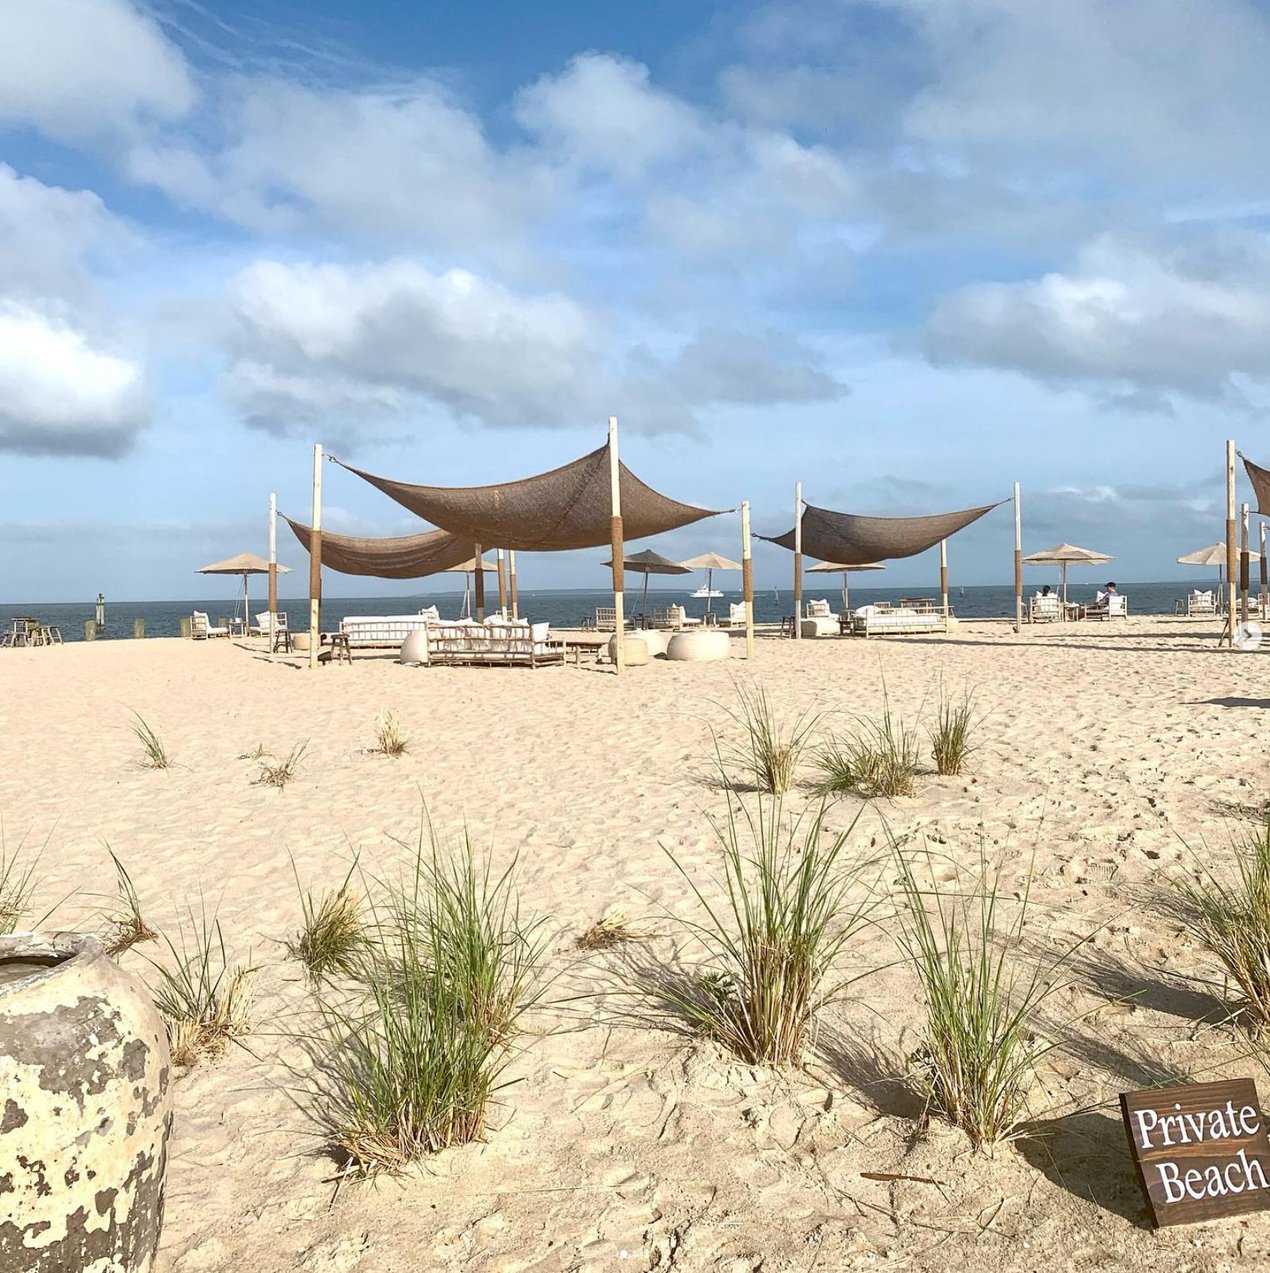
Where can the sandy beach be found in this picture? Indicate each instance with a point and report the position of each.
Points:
(1104, 753)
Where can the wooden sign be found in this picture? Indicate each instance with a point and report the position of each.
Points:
(1201, 1149)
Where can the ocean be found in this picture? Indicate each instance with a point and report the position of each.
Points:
(565, 607)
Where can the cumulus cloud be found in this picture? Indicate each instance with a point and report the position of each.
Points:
(1190, 317)
(78, 69)
(59, 393)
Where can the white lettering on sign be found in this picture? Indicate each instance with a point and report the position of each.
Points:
(1194, 1129)
(1242, 1174)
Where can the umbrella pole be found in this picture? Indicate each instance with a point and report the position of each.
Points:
(798, 560)
(846, 601)
(502, 584)
(1018, 562)
(709, 589)
(643, 604)
(315, 560)
(615, 532)
(511, 572)
(273, 565)
(479, 585)
(747, 579)
(943, 578)
(1231, 562)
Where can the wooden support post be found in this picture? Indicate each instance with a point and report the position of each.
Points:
(747, 579)
(619, 575)
(943, 578)
(502, 583)
(1245, 562)
(1265, 572)
(511, 570)
(273, 563)
(1018, 561)
(1232, 553)
(798, 561)
(478, 584)
(315, 561)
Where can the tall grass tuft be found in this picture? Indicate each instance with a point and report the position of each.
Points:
(17, 885)
(771, 748)
(204, 1001)
(332, 937)
(877, 758)
(1231, 917)
(774, 925)
(412, 1052)
(389, 738)
(127, 925)
(278, 773)
(978, 1057)
(950, 743)
(155, 754)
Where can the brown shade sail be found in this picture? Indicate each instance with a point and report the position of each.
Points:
(569, 507)
(403, 557)
(851, 540)
(1260, 479)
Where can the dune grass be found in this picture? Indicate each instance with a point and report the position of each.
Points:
(774, 925)
(205, 1003)
(771, 747)
(126, 926)
(613, 928)
(977, 1060)
(1229, 914)
(389, 738)
(17, 884)
(412, 1049)
(275, 772)
(154, 753)
(332, 933)
(950, 735)
(878, 758)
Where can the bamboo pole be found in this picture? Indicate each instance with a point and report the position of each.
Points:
(502, 584)
(273, 563)
(1265, 571)
(1231, 549)
(478, 583)
(1018, 561)
(1245, 563)
(943, 578)
(747, 579)
(315, 560)
(798, 561)
(619, 576)
(511, 570)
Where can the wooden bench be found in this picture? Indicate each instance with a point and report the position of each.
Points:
(897, 623)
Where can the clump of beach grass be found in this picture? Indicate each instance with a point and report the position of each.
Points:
(950, 734)
(275, 772)
(332, 936)
(127, 925)
(17, 884)
(389, 738)
(204, 1001)
(977, 1060)
(613, 928)
(771, 747)
(774, 925)
(154, 753)
(413, 1051)
(1229, 914)
(878, 758)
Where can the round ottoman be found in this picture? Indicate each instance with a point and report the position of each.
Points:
(654, 638)
(414, 649)
(636, 650)
(698, 647)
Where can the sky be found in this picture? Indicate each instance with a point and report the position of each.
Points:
(907, 252)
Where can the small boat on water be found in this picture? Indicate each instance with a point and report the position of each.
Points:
(706, 592)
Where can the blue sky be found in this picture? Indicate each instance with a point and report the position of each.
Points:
(905, 251)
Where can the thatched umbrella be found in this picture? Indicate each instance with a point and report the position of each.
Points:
(710, 562)
(833, 568)
(1213, 555)
(1065, 555)
(466, 568)
(244, 564)
(649, 563)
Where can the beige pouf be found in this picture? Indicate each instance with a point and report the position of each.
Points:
(698, 647)
(654, 638)
(819, 626)
(414, 649)
(635, 649)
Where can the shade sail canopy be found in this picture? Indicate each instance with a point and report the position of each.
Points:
(711, 561)
(1066, 555)
(1213, 555)
(243, 564)
(402, 557)
(837, 568)
(569, 507)
(1260, 479)
(854, 540)
(651, 563)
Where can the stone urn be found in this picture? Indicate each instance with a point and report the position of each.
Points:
(85, 1109)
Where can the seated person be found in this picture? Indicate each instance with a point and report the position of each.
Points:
(1103, 602)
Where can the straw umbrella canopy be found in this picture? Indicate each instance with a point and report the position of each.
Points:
(1065, 555)
(1213, 555)
(245, 564)
(649, 563)
(470, 567)
(833, 568)
(710, 562)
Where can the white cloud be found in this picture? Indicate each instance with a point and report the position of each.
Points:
(60, 394)
(1192, 318)
(78, 69)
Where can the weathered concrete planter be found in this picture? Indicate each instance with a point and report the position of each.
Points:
(85, 1109)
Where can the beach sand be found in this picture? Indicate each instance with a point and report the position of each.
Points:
(1106, 751)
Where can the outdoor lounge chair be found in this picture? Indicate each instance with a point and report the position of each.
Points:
(1044, 609)
(201, 627)
(1201, 602)
(736, 613)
